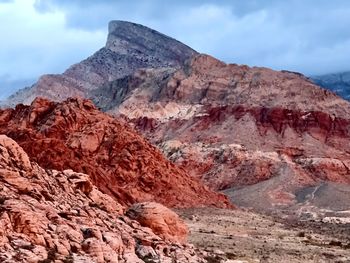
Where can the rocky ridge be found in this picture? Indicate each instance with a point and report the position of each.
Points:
(129, 47)
(233, 127)
(60, 216)
(75, 135)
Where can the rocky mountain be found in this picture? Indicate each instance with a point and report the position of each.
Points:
(267, 138)
(75, 135)
(129, 47)
(60, 216)
(260, 135)
(337, 82)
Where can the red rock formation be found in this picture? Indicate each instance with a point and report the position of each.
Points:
(235, 126)
(75, 135)
(160, 219)
(52, 216)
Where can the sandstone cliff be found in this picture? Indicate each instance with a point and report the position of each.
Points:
(260, 134)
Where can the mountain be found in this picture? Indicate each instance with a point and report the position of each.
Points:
(267, 138)
(129, 47)
(262, 136)
(60, 216)
(337, 82)
(74, 135)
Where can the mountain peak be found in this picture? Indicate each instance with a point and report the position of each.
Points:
(140, 41)
(129, 47)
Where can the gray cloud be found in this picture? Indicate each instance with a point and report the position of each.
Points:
(311, 36)
(308, 36)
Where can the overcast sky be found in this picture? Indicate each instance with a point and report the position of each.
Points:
(47, 36)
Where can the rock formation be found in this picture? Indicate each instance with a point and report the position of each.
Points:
(160, 219)
(261, 135)
(129, 47)
(53, 216)
(75, 135)
(235, 127)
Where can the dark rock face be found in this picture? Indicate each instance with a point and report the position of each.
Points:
(129, 47)
(149, 47)
(337, 82)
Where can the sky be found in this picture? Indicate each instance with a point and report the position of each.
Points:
(47, 36)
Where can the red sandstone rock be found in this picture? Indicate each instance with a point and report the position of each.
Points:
(52, 216)
(75, 135)
(160, 219)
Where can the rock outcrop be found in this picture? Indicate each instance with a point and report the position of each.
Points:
(53, 216)
(75, 135)
(164, 222)
(129, 47)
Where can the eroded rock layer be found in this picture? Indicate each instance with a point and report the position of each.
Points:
(75, 135)
(261, 133)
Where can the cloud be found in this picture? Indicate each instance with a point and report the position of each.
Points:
(307, 36)
(46, 36)
(34, 43)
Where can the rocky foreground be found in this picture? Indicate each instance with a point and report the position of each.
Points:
(52, 216)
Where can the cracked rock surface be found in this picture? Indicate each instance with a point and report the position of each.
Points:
(52, 216)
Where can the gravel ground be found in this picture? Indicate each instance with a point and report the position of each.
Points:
(241, 236)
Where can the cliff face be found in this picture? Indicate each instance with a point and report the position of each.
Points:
(75, 135)
(48, 215)
(129, 47)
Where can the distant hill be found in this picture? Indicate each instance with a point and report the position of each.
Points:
(336, 82)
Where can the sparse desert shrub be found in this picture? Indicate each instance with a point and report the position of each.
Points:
(335, 243)
(301, 234)
(213, 259)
